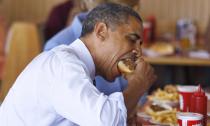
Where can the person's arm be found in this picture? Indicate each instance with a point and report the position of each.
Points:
(138, 83)
(66, 36)
(63, 37)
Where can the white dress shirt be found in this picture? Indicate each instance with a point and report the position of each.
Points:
(56, 89)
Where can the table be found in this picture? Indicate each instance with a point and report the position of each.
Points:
(180, 69)
(177, 60)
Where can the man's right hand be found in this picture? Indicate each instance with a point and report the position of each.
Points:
(143, 75)
(138, 82)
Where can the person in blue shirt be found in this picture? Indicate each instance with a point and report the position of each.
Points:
(72, 32)
(67, 35)
(60, 16)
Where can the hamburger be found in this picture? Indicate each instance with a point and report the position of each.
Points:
(127, 65)
(163, 48)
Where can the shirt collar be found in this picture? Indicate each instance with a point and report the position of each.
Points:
(84, 55)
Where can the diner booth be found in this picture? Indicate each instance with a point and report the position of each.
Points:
(176, 42)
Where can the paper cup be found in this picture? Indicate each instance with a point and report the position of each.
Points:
(185, 93)
(189, 119)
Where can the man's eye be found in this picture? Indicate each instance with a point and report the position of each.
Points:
(140, 42)
(132, 40)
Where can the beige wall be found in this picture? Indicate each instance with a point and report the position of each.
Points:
(166, 11)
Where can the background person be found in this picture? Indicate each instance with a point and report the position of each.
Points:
(60, 16)
(73, 31)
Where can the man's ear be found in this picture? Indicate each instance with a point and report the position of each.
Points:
(101, 31)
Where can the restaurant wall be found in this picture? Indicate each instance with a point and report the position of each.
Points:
(166, 11)
(26, 10)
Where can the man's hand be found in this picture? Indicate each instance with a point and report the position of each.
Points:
(143, 76)
(138, 82)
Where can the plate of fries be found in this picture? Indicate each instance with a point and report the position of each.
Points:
(168, 95)
(161, 115)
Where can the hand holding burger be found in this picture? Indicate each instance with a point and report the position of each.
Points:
(140, 76)
(128, 67)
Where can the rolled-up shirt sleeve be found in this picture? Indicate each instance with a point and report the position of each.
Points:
(75, 98)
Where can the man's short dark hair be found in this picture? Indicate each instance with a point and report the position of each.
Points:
(111, 14)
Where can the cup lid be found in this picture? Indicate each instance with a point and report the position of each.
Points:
(187, 88)
(189, 116)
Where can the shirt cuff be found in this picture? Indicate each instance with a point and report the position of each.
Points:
(118, 96)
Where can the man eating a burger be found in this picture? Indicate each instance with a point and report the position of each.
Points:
(57, 89)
